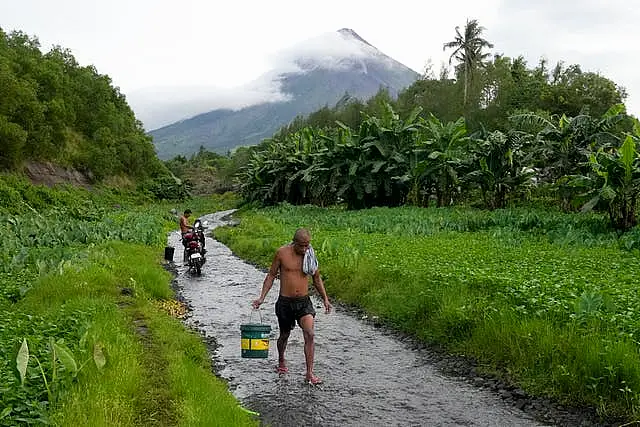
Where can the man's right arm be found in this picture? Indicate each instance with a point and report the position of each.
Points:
(268, 281)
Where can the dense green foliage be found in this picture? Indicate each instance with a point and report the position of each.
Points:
(46, 233)
(206, 172)
(53, 109)
(392, 161)
(546, 300)
(69, 354)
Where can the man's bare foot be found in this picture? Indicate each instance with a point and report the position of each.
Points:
(313, 380)
(282, 369)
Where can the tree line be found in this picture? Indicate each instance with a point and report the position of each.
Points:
(53, 109)
(496, 133)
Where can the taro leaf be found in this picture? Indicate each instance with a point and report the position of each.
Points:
(66, 358)
(98, 355)
(22, 360)
(589, 303)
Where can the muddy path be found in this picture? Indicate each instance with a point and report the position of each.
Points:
(371, 376)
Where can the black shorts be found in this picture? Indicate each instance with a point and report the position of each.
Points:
(291, 309)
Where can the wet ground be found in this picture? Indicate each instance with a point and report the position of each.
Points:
(371, 377)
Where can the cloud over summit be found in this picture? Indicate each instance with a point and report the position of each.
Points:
(159, 106)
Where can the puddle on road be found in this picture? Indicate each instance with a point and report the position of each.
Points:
(370, 377)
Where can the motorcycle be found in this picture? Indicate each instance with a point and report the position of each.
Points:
(194, 250)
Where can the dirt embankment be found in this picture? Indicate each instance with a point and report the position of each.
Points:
(45, 173)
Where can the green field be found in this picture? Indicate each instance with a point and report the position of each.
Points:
(85, 315)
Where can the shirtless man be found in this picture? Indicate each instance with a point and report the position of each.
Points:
(184, 221)
(293, 302)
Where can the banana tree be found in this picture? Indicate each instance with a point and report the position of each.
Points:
(279, 169)
(445, 147)
(387, 143)
(500, 166)
(309, 166)
(264, 177)
(561, 144)
(615, 181)
(349, 173)
(327, 176)
(300, 158)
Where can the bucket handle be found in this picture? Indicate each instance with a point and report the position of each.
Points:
(259, 313)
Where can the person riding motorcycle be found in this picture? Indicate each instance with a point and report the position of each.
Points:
(185, 228)
(184, 222)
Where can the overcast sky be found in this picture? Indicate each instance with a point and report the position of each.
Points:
(206, 49)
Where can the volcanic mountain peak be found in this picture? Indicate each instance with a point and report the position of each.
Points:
(320, 71)
(349, 33)
(335, 50)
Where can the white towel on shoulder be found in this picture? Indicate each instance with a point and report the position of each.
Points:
(310, 262)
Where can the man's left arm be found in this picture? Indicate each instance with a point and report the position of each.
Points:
(319, 285)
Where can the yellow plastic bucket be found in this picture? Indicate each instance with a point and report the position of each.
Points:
(254, 339)
(254, 342)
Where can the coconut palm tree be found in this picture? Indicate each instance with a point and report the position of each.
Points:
(467, 49)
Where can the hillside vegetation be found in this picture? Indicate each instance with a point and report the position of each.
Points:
(53, 109)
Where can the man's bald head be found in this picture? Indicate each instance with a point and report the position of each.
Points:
(302, 235)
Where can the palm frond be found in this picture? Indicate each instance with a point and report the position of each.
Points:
(530, 121)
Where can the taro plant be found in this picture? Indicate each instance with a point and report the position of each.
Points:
(63, 363)
(591, 304)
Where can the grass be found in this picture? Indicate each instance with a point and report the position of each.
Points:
(157, 373)
(202, 398)
(555, 315)
(81, 283)
(107, 397)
